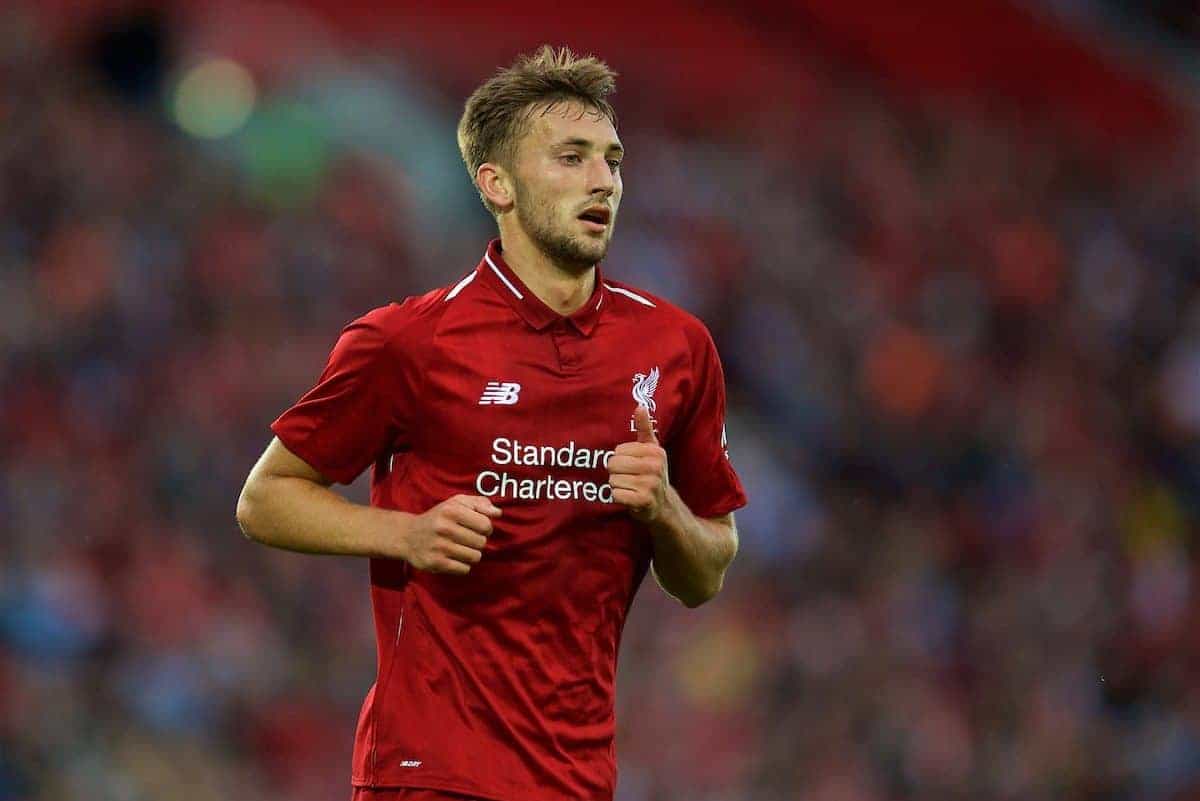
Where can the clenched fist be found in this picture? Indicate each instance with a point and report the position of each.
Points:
(450, 537)
(637, 471)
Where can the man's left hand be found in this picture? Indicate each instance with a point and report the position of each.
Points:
(637, 471)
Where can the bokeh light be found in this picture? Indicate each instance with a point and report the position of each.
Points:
(214, 99)
(956, 298)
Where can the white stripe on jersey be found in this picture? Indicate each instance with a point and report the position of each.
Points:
(629, 294)
(461, 285)
(507, 283)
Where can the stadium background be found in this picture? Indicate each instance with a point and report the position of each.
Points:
(949, 254)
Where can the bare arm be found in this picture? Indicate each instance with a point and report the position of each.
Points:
(691, 554)
(286, 503)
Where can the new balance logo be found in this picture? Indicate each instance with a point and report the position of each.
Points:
(500, 393)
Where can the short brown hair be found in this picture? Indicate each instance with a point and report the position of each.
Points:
(497, 114)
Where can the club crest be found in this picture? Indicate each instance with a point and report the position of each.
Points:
(644, 385)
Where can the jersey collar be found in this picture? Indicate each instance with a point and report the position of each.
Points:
(532, 310)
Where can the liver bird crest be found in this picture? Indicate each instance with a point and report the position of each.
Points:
(643, 388)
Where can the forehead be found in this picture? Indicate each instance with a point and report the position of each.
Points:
(570, 120)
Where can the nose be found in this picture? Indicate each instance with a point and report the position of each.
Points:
(600, 178)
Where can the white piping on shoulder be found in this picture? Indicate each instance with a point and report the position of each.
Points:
(628, 294)
(487, 257)
(461, 285)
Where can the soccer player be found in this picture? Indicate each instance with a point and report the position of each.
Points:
(540, 435)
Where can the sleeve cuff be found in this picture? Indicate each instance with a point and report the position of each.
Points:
(303, 448)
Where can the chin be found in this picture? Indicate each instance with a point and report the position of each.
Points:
(569, 248)
(595, 244)
(594, 256)
(577, 250)
(593, 251)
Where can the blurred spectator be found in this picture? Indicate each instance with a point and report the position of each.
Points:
(964, 366)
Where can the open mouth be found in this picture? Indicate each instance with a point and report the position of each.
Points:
(597, 217)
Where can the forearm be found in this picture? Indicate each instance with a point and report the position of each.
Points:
(691, 554)
(300, 515)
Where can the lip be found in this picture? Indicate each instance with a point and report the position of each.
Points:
(594, 226)
(599, 210)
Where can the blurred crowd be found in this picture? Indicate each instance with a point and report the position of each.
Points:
(964, 371)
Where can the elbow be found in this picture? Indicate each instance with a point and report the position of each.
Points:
(696, 601)
(247, 506)
(702, 595)
(705, 593)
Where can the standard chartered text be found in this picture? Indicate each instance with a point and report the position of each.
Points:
(505, 451)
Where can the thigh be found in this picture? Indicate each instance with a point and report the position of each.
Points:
(405, 794)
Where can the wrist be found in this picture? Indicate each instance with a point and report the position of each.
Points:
(388, 534)
(671, 515)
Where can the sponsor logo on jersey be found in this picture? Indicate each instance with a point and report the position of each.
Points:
(500, 393)
(564, 472)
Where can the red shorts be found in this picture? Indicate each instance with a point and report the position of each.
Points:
(406, 794)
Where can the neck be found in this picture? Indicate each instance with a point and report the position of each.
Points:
(564, 288)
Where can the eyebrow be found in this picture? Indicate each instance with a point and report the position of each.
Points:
(575, 140)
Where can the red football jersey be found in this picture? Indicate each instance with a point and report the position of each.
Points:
(500, 683)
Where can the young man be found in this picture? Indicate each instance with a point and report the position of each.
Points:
(540, 435)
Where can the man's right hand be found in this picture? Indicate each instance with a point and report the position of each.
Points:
(450, 537)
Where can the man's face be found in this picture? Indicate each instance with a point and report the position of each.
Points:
(567, 181)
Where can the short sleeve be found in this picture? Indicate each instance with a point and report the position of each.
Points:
(700, 469)
(358, 410)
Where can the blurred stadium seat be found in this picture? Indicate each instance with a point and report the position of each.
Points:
(954, 275)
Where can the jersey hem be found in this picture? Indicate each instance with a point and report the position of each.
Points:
(721, 509)
(449, 787)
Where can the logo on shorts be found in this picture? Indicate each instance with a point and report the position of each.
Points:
(500, 393)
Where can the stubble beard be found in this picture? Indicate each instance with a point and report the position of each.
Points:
(575, 253)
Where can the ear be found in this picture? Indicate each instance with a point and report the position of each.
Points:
(496, 185)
